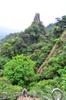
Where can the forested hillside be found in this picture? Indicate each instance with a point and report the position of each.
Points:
(34, 59)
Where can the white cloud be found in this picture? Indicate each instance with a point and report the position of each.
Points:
(18, 14)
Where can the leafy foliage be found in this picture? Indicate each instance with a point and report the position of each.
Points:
(35, 43)
(20, 70)
(60, 26)
(43, 89)
(3, 61)
(8, 90)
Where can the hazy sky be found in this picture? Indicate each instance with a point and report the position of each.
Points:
(18, 14)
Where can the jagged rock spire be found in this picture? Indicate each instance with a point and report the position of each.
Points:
(37, 17)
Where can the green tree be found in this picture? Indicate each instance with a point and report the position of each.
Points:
(60, 26)
(20, 70)
(3, 60)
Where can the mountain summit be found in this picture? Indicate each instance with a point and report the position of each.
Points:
(27, 42)
(37, 17)
(36, 27)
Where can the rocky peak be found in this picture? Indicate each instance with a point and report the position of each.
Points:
(37, 17)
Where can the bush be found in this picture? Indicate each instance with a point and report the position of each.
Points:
(3, 60)
(7, 90)
(43, 88)
(20, 70)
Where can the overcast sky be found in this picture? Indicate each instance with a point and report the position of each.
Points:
(18, 14)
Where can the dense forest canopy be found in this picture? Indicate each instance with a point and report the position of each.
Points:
(38, 47)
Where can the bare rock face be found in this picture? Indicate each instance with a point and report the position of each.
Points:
(37, 18)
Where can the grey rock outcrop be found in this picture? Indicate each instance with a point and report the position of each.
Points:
(37, 18)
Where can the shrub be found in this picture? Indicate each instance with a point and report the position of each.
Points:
(20, 70)
(7, 90)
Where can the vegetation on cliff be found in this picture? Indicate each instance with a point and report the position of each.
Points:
(37, 48)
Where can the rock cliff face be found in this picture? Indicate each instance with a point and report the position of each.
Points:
(37, 17)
